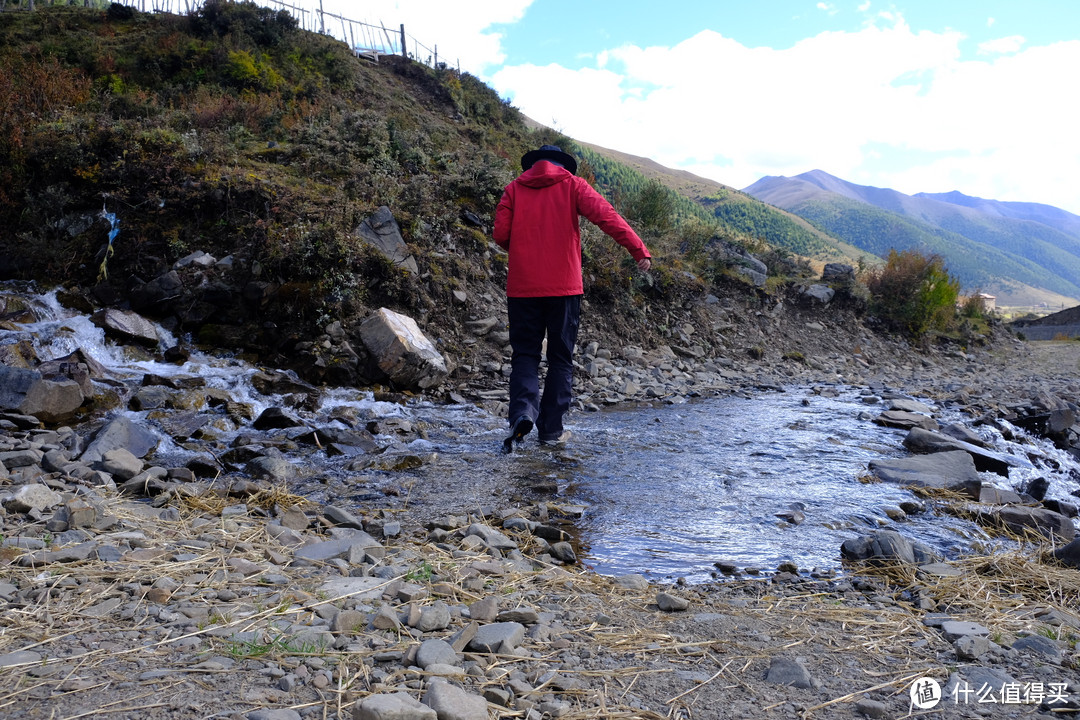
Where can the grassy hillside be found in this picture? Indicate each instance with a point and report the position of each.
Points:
(990, 246)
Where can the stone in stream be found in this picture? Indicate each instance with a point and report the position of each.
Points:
(888, 546)
(120, 432)
(924, 441)
(953, 470)
(401, 350)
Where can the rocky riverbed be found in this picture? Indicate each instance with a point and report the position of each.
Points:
(192, 580)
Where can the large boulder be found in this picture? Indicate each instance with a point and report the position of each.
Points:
(120, 432)
(401, 350)
(1022, 520)
(28, 393)
(126, 326)
(953, 470)
(888, 546)
(919, 440)
(381, 231)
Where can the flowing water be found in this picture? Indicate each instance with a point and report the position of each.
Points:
(668, 489)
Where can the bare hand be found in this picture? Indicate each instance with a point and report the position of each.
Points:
(644, 264)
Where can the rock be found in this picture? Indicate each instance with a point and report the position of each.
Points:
(888, 546)
(633, 581)
(924, 441)
(971, 647)
(1040, 645)
(275, 418)
(361, 588)
(819, 293)
(33, 496)
(671, 603)
(328, 549)
(838, 273)
(905, 420)
(956, 629)
(871, 708)
(28, 393)
(273, 714)
(452, 703)
(964, 434)
(382, 232)
(434, 651)
(120, 463)
(910, 405)
(274, 469)
(434, 617)
(120, 432)
(491, 537)
(953, 470)
(395, 706)
(401, 350)
(1069, 554)
(497, 637)
(126, 325)
(563, 552)
(1022, 519)
(989, 495)
(786, 671)
(484, 610)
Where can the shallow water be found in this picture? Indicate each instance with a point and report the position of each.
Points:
(668, 489)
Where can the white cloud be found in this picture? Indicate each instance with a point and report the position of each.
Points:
(1000, 127)
(827, 7)
(998, 46)
(460, 35)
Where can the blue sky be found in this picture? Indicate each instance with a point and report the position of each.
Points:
(917, 95)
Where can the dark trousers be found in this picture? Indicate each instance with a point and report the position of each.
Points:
(530, 320)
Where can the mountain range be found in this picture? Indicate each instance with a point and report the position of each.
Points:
(1026, 254)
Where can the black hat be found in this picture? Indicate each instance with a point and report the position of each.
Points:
(552, 153)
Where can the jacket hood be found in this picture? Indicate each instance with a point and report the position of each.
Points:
(543, 174)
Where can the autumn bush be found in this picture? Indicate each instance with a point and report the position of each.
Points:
(913, 292)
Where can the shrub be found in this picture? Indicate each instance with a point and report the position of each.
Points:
(913, 292)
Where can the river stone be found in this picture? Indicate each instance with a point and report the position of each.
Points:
(271, 468)
(971, 647)
(1041, 645)
(26, 392)
(786, 671)
(120, 463)
(329, 549)
(491, 537)
(126, 325)
(435, 651)
(20, 657)
(887, 545)
(1020, 519)
(905, 420)
(919, 440)
(401, 350)
(1069, 554)
(120, 432)
(955, 629)
(953, 470)
(633, 581)
(33, 496)
(671, 603)
(452, 703)
(360, 588)
(910, 405)
(434, 617)
(394, 706)
(273, 714)
(964, 434)
(497, 637)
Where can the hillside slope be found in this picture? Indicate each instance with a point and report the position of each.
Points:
(1017, 250)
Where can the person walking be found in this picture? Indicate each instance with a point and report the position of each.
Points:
(536, 222)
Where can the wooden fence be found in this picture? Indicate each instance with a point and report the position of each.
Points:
(366, 39)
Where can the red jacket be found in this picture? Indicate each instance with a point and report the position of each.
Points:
(536, 221)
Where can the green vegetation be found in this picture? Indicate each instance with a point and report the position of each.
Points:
(914, 293)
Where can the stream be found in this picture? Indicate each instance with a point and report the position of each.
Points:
(667, 489)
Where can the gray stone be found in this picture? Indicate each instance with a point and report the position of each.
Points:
(871, 708)
(1069, 554)
(1041, 645)
(27, 392)
(15, 459)
(955, 629)
(271, 468)
(819, 293)
(452, 703)
(563, 552)
(20, 657)
(329, 549)
(393, 706)
(126, 325)
(523, 615)
(342, 517)
(1023, 519)
(671, 603)
(120, 463)
(888, 546)
(381, 231)
(786, 671)
(633, 581)
(491, 537)
(919, 440)
(120, 432)
(953, 470)
(434, 617)
(496, 636)
(434, 651)
(362, 588)
(401, 350)
(485, 609)
(273, 714)
(910, 405)
(964, 434)
(989, 495)
(33, 496)
(905, 420)
(971, 647)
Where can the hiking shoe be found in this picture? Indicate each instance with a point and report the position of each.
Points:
(556, 441)
(522, 427)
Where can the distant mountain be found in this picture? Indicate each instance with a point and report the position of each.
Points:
(1020, 251)
(735, 211)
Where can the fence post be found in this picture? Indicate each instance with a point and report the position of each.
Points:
(404, 47)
